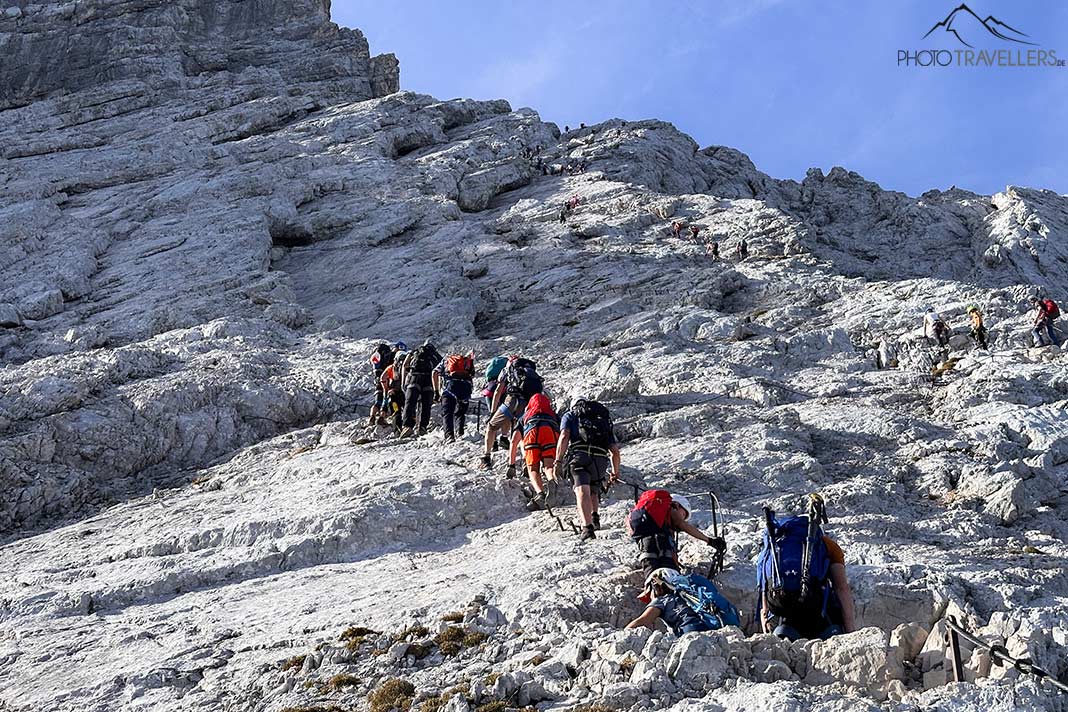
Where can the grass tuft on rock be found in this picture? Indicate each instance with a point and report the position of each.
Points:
(454, 617)
(454, 639)
(343, 679)
(592, 707)
(495, 706)
(294, 663)
(393, 694)
(356, 636)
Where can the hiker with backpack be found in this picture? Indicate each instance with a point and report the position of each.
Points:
(381, 359)
(393, 401)
(539, 428)
(491, 377)
(590, 458)
(654, 525)
(452, 387)
(801, 577)
(518, 382)
(713, 251)
(743, 250)
(685, 603)
(1046, 312)
(935, 327)
(978, 328)
(416, 374)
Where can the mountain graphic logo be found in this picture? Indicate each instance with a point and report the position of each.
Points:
(964, 23)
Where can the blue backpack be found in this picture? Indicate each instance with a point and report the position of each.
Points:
(701, 595)
(494, 368)
(790, 590)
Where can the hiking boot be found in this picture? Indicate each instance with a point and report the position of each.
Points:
(449, 438)
(588, 533)
(371, 420)
(536, 503)
(422, 432)
(596, 521)
(406, 433)
(487, 462)
(510, 472)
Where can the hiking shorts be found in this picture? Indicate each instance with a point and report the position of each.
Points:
(505, 415)
(586, 469)
(380, 395)
(539, 444)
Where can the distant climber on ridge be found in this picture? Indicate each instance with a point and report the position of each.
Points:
(590, 457)
(978, 328)
(935, 327)
(743, 250)
(1046, 312)
(686, 603)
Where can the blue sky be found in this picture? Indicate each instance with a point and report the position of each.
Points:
(792, 83)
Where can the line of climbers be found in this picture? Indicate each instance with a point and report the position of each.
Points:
(1046, 313)
(741, 249)
(409, 383)
(801, 575)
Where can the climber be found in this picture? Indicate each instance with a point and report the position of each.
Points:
(381, 359)
(418, 387)
(452, 380)
(393, 403)
(489, 387)
(713, 250)
(654, 525)
(540, 428)
(1046, 311)
(935, 327)
(589, 455)
(978, 328)
(743, 250)
(694, 232)
(676, 229)
(686, 604)
(517, 383)
(812, 602)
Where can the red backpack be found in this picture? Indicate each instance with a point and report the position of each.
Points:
(539, 405)
(650, 514)
(1052, 310)
(459, 366)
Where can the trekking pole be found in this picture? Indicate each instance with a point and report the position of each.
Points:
(716, 565)
(769, 523)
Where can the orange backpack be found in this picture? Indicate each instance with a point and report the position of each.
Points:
(457, 366)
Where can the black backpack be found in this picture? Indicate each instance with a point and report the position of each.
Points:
(385, 358)
(424, 359)
(594, 424)
(525, 382)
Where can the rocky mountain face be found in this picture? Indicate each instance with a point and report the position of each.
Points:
(210, 211)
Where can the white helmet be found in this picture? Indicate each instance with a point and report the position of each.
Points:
(661, 575)
(682, 502)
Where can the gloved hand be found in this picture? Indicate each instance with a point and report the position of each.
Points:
(558, 470)
(510, 473)
(718, 543)
(437, 398)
